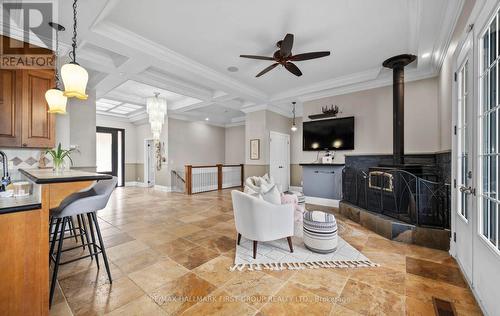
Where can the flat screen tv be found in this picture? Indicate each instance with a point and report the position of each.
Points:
(332, 134)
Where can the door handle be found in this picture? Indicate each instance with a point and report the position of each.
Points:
(467, 190)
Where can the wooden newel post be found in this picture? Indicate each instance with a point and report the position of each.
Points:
(219, 177)
(188, 169)
(242, 175)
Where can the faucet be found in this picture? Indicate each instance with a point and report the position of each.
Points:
(5, 177)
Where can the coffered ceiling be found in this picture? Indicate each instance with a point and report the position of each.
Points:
(183, 49)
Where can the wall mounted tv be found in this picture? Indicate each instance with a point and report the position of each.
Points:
(333, 134)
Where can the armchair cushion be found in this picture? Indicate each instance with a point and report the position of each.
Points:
(271, 194)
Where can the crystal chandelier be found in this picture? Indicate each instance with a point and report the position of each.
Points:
(157, 110)
(55, 97)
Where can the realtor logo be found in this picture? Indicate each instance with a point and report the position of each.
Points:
(25, 23)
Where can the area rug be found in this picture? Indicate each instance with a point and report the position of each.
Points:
(275, 255)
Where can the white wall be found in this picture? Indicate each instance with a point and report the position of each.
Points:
(372, 111)
(82, 130)
(235, 145)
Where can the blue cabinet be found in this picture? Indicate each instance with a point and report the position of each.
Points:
(322, 180)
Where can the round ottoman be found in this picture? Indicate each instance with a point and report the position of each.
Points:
(320, 232)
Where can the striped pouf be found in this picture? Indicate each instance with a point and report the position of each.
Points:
(320, 232)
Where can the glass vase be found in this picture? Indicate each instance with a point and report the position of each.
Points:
(58, 166)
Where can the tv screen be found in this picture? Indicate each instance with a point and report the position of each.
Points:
(333, 134)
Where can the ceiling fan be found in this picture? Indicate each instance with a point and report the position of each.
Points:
(283, 56)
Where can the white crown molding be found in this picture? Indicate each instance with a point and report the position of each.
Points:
(382, 81)
(449, 21)
(238, 119)
(112, 117)
(235, 124)
(341, 81)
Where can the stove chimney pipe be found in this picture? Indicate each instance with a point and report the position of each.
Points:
(397, 64)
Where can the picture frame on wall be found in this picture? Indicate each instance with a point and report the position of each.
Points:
(254, 149)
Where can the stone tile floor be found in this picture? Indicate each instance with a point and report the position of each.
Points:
(170, 254)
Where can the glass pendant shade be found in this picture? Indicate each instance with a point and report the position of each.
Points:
(75, 79)
(294, 128)
(56, 101)
(157, 110)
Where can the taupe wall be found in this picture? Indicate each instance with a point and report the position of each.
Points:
(235, 145)
(255, 170)
(255, 128)
(372, 111)
(258, 125)
(192, 143)
(445, 82)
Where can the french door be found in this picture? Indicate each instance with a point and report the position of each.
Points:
(464, 159)
(110, 152)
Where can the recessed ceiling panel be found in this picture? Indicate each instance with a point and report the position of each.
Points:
(360, 34)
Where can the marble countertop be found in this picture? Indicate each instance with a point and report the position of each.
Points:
(44, 176)
(18, 204)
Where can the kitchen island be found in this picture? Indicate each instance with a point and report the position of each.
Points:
(24, 230)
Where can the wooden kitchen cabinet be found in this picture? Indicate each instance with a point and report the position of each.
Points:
(38, 126)
(24, 120)
(10, 112)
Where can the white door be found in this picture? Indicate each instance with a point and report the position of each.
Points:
(279, 159)
(464, 159)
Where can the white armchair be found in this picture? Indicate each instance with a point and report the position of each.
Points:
(259, 220)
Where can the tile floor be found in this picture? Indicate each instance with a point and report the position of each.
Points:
(170, 255)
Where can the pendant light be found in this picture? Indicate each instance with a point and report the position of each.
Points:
(55, 97)
(294, 127)
(74, 76)
(156, 109)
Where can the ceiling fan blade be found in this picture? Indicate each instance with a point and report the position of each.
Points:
(286, 45)
(307, 56)
(267, 69)
(293, 69)
(257, 57)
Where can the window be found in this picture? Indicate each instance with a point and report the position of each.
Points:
(489, 202)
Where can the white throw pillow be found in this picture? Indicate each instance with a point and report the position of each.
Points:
(272, 195)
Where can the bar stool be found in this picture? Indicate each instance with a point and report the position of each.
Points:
(80, 204)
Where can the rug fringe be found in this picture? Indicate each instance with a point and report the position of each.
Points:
(279, 266)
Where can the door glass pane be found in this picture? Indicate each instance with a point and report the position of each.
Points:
(489, 155)
(463, 141)
(493, 40)
(493, 222)
(104, 152)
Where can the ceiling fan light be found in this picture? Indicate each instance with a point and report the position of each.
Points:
(56, 101)
(75, 79)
